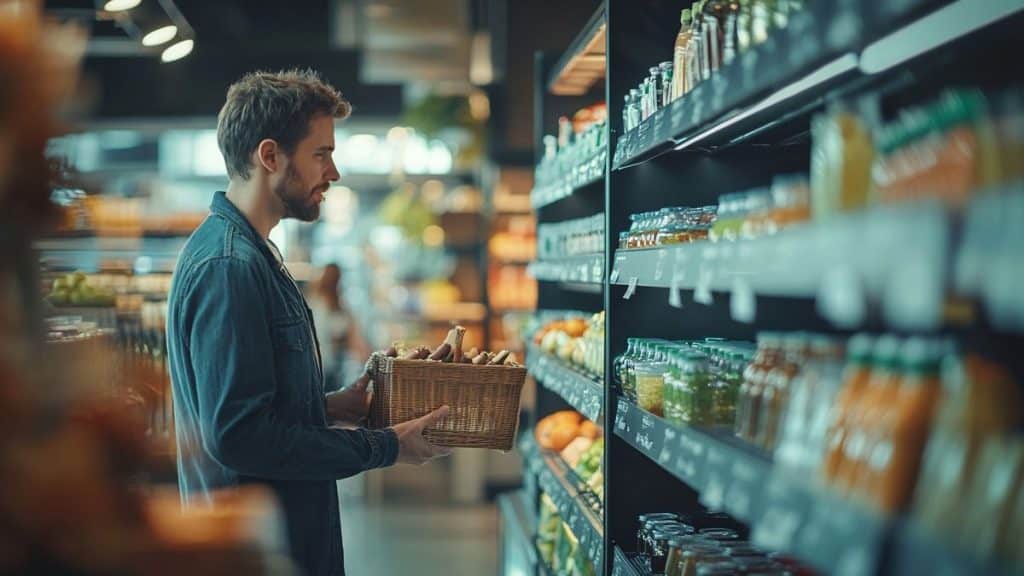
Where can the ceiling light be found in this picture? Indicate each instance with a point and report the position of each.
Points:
(177, 51)
(120, 5)
(161, 35)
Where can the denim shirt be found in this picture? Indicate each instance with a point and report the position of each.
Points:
(248, 388)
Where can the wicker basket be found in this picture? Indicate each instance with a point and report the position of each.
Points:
(484, 400)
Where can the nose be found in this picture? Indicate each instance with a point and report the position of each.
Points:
(332, 172)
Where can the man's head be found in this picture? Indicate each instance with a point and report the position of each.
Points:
(279, 128)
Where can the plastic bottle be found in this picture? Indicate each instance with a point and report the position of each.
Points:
(679, 54)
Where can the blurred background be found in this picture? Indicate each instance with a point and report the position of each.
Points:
(748, 250)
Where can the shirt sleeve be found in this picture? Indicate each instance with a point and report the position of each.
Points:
(232, 356)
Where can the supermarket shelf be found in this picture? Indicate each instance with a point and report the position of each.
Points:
(915, 553)
(583, 63)
(625, 565)
(571, 499)
(785, 514)
(582, 392)
(896, 255)
(822, 49)
(574, 270)
(542, 196)
(145, 253)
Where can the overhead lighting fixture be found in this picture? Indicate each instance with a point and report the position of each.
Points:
(120, 5)
(177, 51)
(161, 35)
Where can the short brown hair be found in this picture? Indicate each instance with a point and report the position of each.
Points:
(274, 105)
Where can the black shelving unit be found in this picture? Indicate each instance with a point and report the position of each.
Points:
(734, 132)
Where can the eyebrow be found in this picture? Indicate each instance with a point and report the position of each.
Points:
(325, 149)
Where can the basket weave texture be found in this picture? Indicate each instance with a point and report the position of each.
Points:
(484, 400)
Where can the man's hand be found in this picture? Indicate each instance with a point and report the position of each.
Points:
(413, 448)
(350, 405)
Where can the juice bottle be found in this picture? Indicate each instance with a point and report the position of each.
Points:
(679, 54)
(878, 397)
(893, 452)
(769, 353)
(775, 393)
(855, 379)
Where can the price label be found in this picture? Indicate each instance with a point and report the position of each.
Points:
(667, 444)
(621, 422)
(678, 115)
(743, 303)
(678, 273)
(659, 266)
(631, 288)
(702, 291)
(717, 465)
(689, 458)
(745, 481)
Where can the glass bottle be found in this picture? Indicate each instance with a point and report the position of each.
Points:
(694, 51)
(743, 22)
(730, 31)
(769, 351)
(714, 12)
(623, 359)
(634, 109)
(679, 55)
(760, 21)
(775, 393)
(626, 103)
(666, 84)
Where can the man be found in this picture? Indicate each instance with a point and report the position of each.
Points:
(249, 397)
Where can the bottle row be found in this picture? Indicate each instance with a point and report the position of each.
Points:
(577, 155)
(901, 425)
(569, 238)
(711, 35)
(949, 150)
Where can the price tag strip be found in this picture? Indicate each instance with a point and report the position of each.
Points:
(579, 390)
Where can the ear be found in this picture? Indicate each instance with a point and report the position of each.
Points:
(268, 155)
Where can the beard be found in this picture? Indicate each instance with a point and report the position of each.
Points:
(298, 202)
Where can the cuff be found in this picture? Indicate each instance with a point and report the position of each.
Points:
(383, 446)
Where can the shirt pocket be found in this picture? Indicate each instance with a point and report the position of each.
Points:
(294, 359)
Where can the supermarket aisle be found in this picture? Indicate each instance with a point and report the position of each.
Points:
(431, 540)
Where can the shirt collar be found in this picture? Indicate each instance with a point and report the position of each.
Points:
(221, 206)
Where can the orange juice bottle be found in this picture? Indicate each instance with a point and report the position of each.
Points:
(894, 456)
(855, 379)
(875, 400)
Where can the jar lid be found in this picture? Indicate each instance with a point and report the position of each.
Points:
(716, 568)
(886, 352)
(719, 534)
(702, 550)
(656, 515)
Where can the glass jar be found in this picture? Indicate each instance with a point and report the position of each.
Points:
(791, 202)
(661, 540)
(642, 536)
(726, 387)
(624, 240)
(694, 555)
(694, 378)
(639, 358)
(729, 217)
(650, 386)
(674, 565)
(757, 208)
(619, 365)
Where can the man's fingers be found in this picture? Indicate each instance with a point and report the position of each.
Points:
(434, 417)
(362, 383)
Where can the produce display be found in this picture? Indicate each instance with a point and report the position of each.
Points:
(556, 431)
(75, 290)
(558, 546)
(575, 340)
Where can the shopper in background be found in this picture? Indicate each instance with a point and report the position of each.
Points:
(336, 328)
(249, 399)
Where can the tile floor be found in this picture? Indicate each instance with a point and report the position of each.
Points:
(412, 529)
